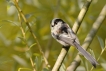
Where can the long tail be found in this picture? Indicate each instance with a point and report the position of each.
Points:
(80, 49)
(86, 54)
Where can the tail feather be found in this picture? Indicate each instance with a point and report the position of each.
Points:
(80, 49)
(86, 54)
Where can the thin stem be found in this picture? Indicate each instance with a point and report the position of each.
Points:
(81, 15)
(32, 63)
(27, 23)
(23, 33)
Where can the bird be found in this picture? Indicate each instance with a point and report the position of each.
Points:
(63, 34)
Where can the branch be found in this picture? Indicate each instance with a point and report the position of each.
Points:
(27, 23)
(105, 42)
(89, 38)
(23, 33)
(76, 26)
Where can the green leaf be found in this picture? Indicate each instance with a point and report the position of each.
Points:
(22, 38)
(83, 60)
(20, 60)
(13, 23)
(104, 66)
(1, 26)
(45, 69)
(38, 62)
(101, 42)
(86, 65)
(9, 4)
(19, 69)
(28, 54)
(92, 53)
(28, 15)
(32, 45)
(36, 54)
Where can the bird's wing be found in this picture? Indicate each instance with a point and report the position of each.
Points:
(72, 34)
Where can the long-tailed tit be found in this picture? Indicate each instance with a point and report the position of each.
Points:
(65, 36)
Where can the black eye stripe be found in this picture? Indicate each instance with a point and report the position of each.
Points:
(56, 21)
(52, 25)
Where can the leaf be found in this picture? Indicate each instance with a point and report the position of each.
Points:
(83, 60)
(36, 54)
(32, 45)
(23, 40)
(80, 68)
(28, 54)
(20, 60)
(19, 69)
(10, 22)
(103, 65)
(28, 15)
(91, 51)
(45, 69)
(86, 65)
(101, 42)
(1, 26)
(9, 4)
(38, 62)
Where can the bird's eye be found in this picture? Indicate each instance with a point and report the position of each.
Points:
(52, 26)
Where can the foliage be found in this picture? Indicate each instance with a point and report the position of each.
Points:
(17, 51)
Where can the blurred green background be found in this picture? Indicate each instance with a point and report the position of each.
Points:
(39, 13)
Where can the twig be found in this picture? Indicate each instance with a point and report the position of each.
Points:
(23, 33)
(48, 47)
(27, 23)
(89, 38)
(81, 15)
(32, 63)
(76, 26)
